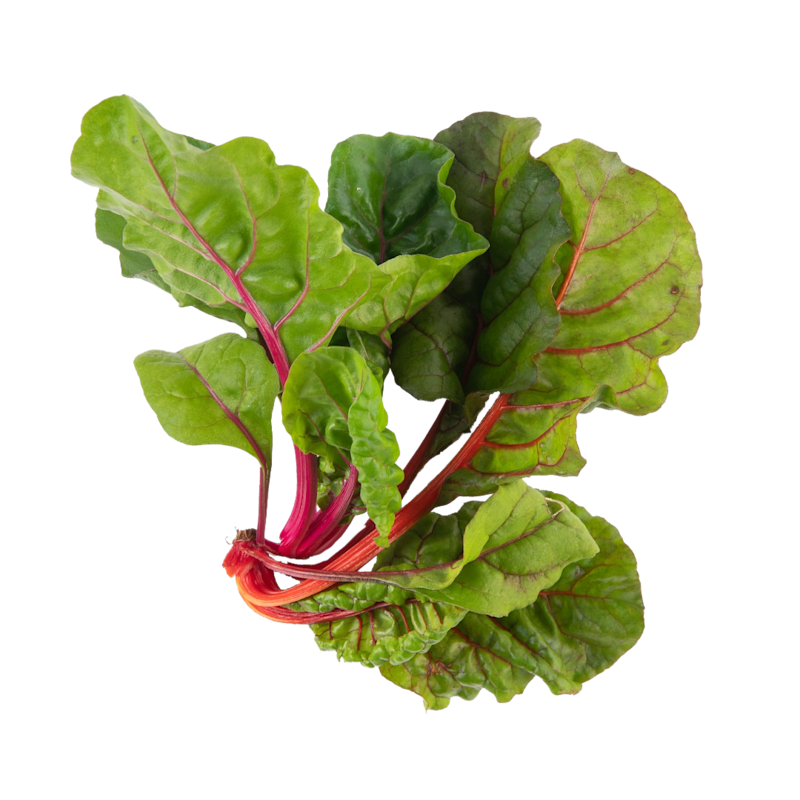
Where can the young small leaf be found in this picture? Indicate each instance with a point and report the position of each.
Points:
(332, 406)
(218, 392)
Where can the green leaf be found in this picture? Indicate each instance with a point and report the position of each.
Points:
(539, 439)
(585, 621)
(218, 392)
(512, 546)
(481, 335)
(432, 553)
(629, 294)
(631, 286)
(332, 406)
(394, 633)
(357, 596)
(109, 228)
(577, 628)
(225, 226)
(390, 194)
(457, 667)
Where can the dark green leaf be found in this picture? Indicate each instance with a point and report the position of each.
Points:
(389, 192)
(372, 349)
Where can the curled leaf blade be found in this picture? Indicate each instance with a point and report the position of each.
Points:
(332, 406)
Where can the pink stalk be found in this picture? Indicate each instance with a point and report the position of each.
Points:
(325, 527)
(305, 503)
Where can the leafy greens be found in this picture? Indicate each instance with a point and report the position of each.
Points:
(472, 271)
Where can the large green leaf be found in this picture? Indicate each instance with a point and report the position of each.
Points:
(589, 618)
(110, 229)
(494, 557)
(630, 291)
(332, 406)
(577, 628)
(629, 294)
(218, 392)
(390, 194)
(226, 225)
(458, 667)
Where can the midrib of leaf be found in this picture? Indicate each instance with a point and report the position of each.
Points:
(580, 250)
(303, 294)
(234, 418)
(234, 276)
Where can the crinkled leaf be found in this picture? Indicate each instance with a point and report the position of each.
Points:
(225, 226)
(489, 149)
(513, 545)
(356, 596)
(448, 350)
(218, 392)
(403, 626)
(332, 406)
(457, 667)
(392, 634)
(585, 621)
(390, 194)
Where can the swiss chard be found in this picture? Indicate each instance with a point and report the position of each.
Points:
(469, 269)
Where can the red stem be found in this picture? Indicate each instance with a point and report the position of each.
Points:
(357, 555)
